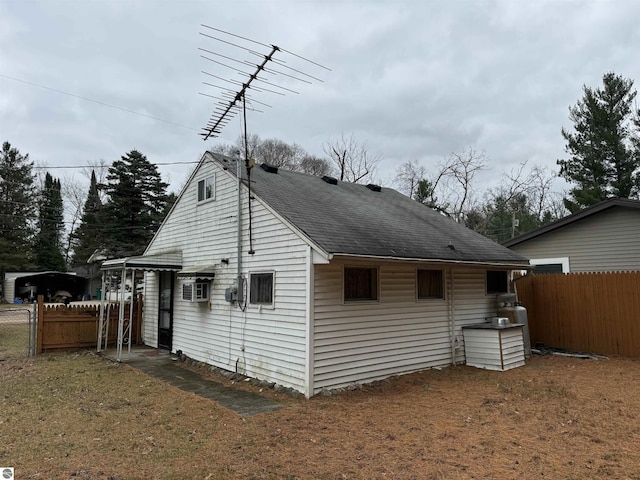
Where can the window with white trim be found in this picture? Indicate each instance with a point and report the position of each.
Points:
(261, 288)
(207, 188)
(550, 265)
(429, 284)
(360, 284)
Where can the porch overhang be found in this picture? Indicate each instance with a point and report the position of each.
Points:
(199, 272)
(159, 262)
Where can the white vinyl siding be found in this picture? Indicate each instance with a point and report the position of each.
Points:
(606, 241)
(149, 326)
(266, 343)
(356, 343)
(494, 349)
(470, 303)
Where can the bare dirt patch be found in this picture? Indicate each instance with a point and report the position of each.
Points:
(79, 416)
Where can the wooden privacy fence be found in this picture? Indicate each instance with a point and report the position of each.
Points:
(76, 326)
(584, 312)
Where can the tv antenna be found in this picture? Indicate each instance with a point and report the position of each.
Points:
(232, 98)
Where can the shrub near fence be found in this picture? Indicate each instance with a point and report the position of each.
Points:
(584, 312)
(76, 326)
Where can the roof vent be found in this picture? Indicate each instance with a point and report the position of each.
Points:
(330, 180)
(374, 188)
(268, 168)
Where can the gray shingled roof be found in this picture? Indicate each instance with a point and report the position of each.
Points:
(351, 219)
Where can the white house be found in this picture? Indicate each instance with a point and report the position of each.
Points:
(310, 282)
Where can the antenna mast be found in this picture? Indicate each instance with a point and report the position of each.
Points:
(228, 101)
(214, 128)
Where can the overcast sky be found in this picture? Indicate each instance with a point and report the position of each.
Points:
(415, 80)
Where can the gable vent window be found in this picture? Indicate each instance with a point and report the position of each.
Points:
(195, 291)
(207, 189)
(430, 284)
(360, 284)
(497, 281)
(261, 288)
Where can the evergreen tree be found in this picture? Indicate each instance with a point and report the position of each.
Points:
(88, 235)
(136, 205)
(16, 209)
(603, 160)
(47, 245)
(506, 217)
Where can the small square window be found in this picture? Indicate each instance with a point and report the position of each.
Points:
(430, 284)
(261, 288)
(497, 281)
(360, 284)
(207, 188)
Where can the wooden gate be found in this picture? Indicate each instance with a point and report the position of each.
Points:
(584, 312)
(76, 326)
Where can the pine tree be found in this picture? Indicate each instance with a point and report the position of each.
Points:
(136, 205)
(16, 209)
(603, 160)
(47, 245)
(88, 235)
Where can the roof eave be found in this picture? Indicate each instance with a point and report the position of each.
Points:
(587, 212)
(509, 264)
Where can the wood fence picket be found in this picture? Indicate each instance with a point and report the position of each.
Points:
(585, 312)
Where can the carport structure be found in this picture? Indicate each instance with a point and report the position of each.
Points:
(115, 273)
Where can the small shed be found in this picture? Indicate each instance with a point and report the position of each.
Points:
(25, 286)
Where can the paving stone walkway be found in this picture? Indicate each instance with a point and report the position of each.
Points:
(160, 364)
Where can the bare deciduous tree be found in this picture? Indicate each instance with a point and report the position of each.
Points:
(454, 180)
(100, 168)
(408, 176)
(352, 159)
(73, 194)
(536, 184)
(314, 166)
(278, 153)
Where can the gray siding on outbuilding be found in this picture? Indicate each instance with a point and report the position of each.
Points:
(606, 241)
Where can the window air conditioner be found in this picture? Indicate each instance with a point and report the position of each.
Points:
(195, 291)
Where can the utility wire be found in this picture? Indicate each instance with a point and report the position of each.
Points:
(85, 166)
(86, 99)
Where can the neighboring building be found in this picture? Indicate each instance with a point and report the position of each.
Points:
(26, 286)
(601, 238)
(339, 283)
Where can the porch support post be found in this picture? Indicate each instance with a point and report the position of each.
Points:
(123, 278)
(101, 323)
(133, 293)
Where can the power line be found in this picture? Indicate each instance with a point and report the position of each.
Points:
(85, 166)
(98, 102)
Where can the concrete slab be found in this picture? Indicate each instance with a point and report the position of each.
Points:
(163, 366)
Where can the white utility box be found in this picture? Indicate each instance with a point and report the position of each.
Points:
(494, 347)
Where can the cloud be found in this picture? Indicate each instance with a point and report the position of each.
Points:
(415, 80)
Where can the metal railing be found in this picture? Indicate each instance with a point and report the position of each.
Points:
(17, 315)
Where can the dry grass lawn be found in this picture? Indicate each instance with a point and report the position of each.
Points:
(80, 416)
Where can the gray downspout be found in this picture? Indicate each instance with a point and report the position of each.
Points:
(452, 319)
